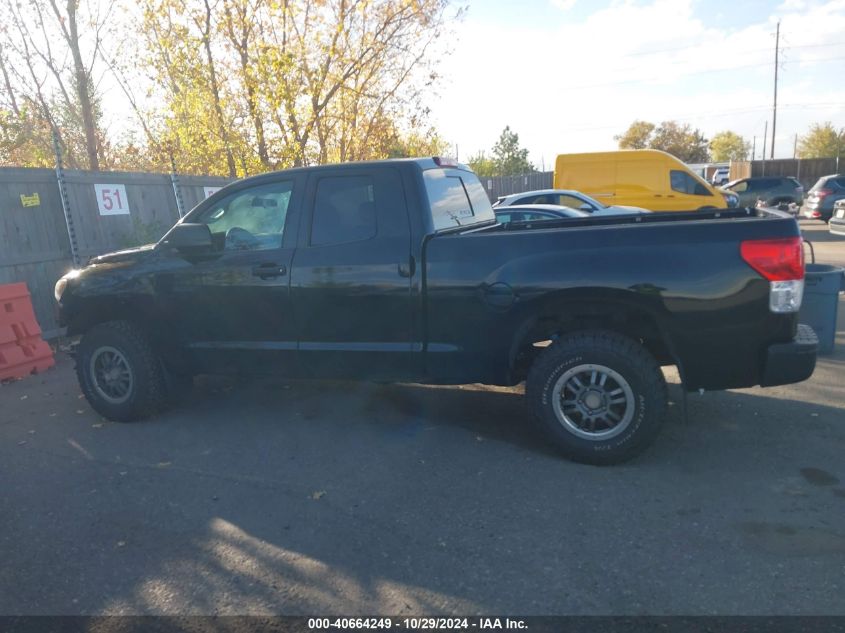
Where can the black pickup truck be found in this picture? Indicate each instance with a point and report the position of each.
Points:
(398, 271)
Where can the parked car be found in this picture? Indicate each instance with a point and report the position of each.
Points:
(720, 176)
(824, 194)
(645, 178)
(770, 190)
(398, 271)
(565, 198)
(837, 222)
(536, 213)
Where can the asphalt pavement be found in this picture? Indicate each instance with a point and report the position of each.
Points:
(274, 497)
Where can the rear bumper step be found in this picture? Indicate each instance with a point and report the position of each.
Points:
(791, 362)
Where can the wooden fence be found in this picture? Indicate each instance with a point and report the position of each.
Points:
(109, 211)
(497, 186)
(806, 170)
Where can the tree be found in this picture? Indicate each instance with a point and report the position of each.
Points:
(822, 141)
(484, 167)
(49, 53)
(268, 84)
(223, 86)
(509, 158)
(637, 136)
(680, 140)
(727, 145)
(683, 142)
(415, 144)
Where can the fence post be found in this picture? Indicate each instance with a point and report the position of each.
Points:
(60, 179)
(177, 191)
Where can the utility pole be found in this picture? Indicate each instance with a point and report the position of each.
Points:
(754, 148)
(775, 105)
(795, 147)
(765, 135)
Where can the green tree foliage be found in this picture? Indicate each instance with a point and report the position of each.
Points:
(680, 140)
(729, 145)
(822, 140)
(482, 165)
(510, 159)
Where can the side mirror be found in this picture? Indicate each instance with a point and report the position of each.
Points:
(189, 237)
(586, 207)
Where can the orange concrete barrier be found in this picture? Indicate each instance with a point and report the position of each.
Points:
(22, 350)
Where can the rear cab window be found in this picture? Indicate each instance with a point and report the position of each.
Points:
(456, 198)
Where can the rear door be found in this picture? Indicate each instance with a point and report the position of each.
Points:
(351, 276)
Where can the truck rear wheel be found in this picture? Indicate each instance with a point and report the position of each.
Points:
(120, 373)
(600, 396)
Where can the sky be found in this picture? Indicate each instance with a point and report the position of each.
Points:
(568, 75)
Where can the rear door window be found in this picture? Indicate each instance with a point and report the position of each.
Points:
(344, 210)
(574, 203)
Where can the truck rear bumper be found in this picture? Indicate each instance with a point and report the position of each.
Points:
(791, 362)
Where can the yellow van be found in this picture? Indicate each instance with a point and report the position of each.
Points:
(646, 178)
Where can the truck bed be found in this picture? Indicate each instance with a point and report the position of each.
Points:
(681, 271)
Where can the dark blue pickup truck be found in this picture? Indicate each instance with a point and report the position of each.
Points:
(398, 271)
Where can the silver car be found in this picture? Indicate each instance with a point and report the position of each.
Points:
(536, 213)
(565, 198)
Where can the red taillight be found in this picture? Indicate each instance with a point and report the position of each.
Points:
(777, 260)
(823, 193)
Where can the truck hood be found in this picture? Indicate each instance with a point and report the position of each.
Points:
(128, 255)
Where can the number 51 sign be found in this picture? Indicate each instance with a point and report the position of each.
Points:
(111, 199)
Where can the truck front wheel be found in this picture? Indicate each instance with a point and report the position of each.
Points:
(120, 373)
(600, 396)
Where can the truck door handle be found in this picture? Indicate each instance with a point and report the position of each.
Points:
(408, 270)
(268, 270)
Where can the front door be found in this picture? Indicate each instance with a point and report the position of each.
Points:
(232, 305)
(352, 275)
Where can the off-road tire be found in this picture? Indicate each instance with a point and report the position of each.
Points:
(624, 356)
(148, 393)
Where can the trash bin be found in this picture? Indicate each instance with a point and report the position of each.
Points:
(822, 284)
